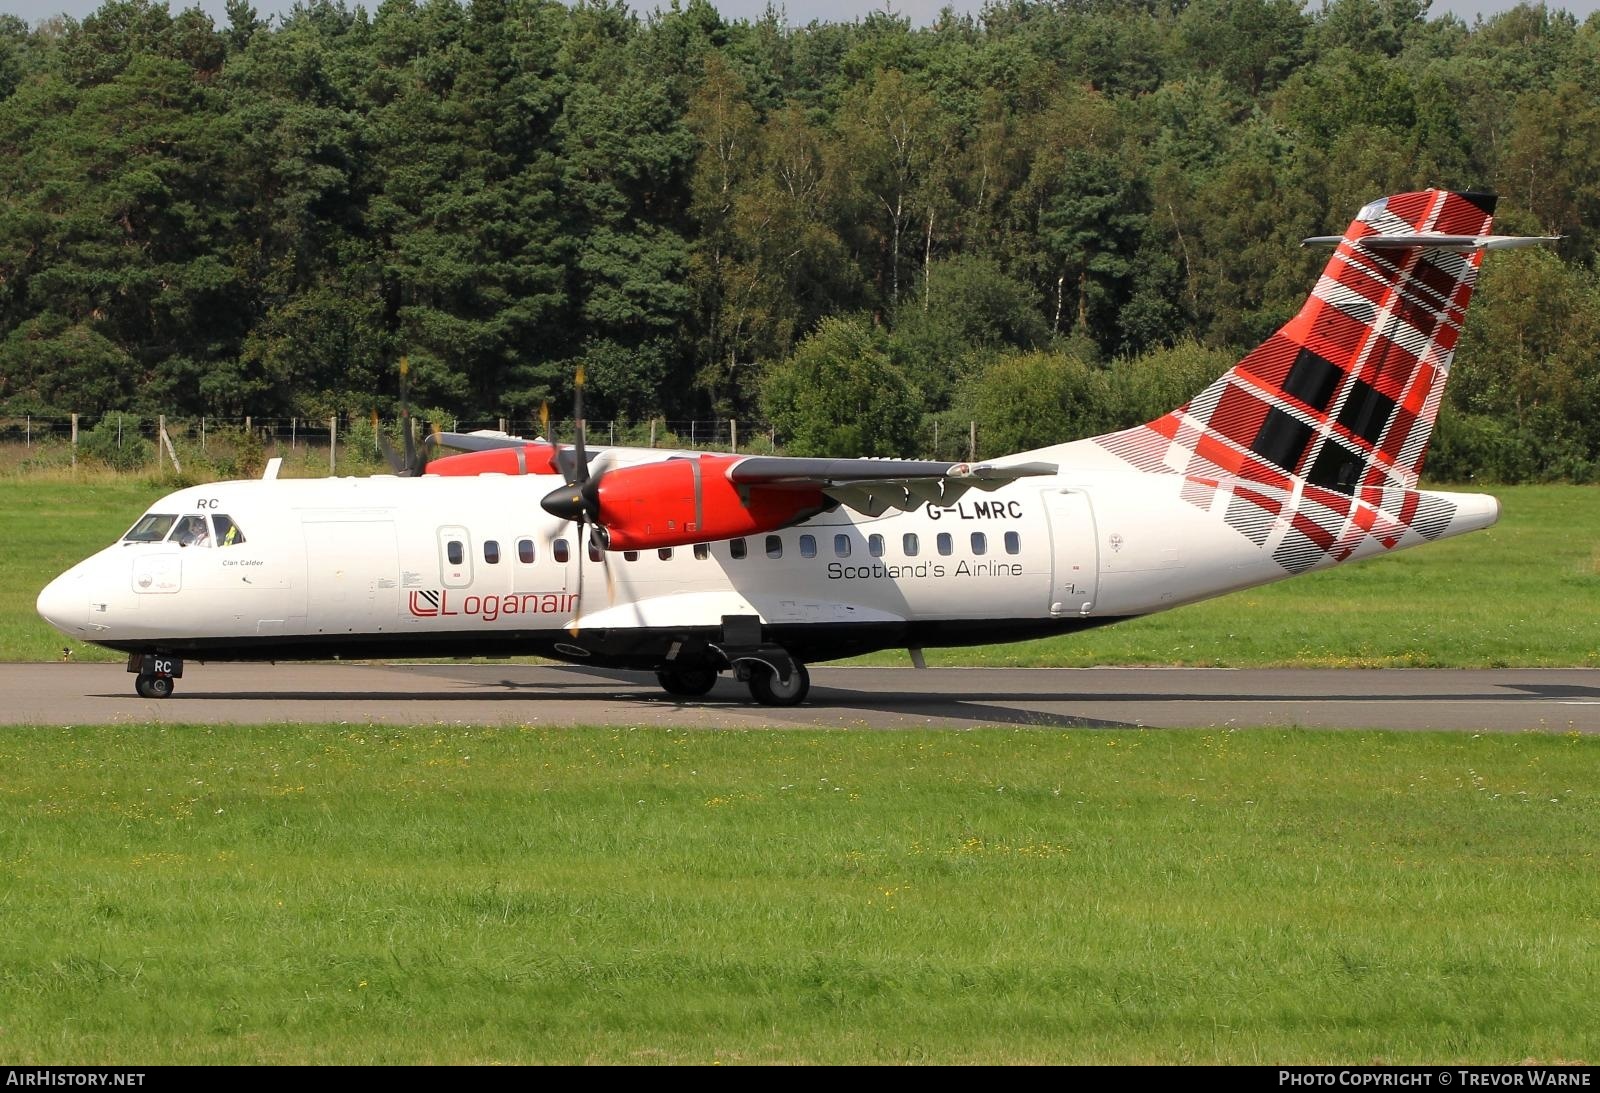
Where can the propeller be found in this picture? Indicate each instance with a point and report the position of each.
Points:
(578, 500)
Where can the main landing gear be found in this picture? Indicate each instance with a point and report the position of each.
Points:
(767, 688)
(687, 682)
(766, 685)
(154, 673)
(775, 678)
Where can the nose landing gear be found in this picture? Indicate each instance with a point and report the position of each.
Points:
(154, 673)
(153, 686)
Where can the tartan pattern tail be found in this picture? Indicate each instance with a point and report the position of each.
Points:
(1327, 422)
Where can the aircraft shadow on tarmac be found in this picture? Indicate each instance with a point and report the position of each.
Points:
(993, 707)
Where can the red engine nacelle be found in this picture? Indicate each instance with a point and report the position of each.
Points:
(679, 501)
(526, 459)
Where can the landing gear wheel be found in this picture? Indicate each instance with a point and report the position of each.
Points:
(153, 686)
(766, 689)
(686, 682)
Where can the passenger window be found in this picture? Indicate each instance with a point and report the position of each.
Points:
(228, 532)
(491, 551)
(454, 552)
(738, 548)
(875, 545)
(1013, 543)
(909, 544)
(946, 544)
(808, 546)
(980, 543)
(664, 553)
(702, 551)
(561, 551)
(525, 551)
(631, 555)
(151, 528)
(774, 546)
(841, 546)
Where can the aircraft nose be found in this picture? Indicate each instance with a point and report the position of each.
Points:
(63, 603)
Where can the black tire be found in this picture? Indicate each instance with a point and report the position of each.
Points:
(153, 686)
(687, 682)
(765, 688)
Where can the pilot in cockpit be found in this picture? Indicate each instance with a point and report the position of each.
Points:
(193, 532)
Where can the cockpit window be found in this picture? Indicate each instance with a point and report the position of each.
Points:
(191, 531)
(151, 528)
(228, 532)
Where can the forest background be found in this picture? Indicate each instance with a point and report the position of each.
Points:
(1051, 219)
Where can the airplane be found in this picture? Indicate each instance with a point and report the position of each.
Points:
(1305, 455)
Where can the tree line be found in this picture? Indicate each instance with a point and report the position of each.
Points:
(1051, 217)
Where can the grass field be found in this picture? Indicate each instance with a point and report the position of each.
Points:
(1524, 593)
(334, 894)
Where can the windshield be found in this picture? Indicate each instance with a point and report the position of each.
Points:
(151, 528)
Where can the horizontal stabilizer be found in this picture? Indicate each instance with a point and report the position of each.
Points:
(1413, 241)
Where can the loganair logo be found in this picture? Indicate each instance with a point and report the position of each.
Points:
(431, 603)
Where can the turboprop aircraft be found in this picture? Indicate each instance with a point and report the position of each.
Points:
(1305, 455)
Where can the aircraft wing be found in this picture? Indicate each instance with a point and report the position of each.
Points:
(873, 486)
(482, 440)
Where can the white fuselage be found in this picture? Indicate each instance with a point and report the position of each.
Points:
(466, 565)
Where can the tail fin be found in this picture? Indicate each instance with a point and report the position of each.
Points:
(1327, 422)
(1344, 396)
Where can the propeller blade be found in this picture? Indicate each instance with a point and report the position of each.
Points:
(385, 447)
(406, 435)
(580, 472)
(435, 438)
(583, 548)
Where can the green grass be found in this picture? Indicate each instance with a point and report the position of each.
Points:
(1524, 593)
(341, 894)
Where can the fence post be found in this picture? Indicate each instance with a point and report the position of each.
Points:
(652, 432)
(119, 432)
(202, 433)
(333, 441)
(972, 441)
(74, 441)
(28, 431)
(166, 441)
(733, 436)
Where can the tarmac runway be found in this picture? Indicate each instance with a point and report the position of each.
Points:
(1499, 700)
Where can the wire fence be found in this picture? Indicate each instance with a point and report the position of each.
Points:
(239, 446)
(126, 440)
